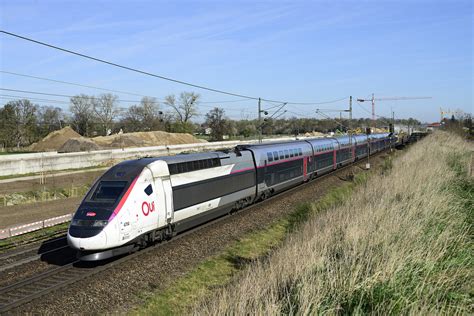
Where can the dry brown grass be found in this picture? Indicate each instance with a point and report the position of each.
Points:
(400, 244)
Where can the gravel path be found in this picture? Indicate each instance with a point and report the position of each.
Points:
(121, 288)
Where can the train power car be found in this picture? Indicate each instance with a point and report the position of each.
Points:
(141, 201)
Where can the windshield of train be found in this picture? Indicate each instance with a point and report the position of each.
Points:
(108, 191)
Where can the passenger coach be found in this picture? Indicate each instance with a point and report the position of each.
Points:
(141, 201)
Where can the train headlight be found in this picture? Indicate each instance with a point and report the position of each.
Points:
(100, 223)
(75, 222)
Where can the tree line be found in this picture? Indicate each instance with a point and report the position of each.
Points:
(23, 122)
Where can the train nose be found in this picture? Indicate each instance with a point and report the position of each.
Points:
(96, 242)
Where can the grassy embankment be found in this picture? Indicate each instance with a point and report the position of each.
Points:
(401, 243)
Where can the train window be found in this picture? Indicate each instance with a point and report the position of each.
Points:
(300, 152)
(275, 155)
(270, 157)
(282, 155)
(173, 169)
(287, 154)
(108, 191)
(181, 168)
(148, 190)
(189, 166)
(291, 153)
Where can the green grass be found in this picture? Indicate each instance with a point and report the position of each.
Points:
(222, 268)
(402, 289)
(47, 194)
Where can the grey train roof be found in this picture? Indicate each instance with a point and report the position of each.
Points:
(130, 169)
(271, 144)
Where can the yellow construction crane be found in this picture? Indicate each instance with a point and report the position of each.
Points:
(445, 112)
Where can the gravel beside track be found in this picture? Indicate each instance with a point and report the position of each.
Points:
(121, 287)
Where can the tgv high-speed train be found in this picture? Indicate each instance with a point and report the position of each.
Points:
(138, 202)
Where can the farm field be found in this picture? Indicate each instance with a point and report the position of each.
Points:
(401, 243)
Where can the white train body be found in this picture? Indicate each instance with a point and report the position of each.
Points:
(141, 201)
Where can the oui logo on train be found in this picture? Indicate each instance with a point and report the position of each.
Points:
(148, 208)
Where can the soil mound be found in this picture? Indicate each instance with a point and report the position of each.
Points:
(314, 134)
(141, 139)
(78, 144)
(54, 140)
(67, 140)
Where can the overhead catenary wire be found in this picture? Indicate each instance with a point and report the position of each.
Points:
(330, 118)
(18, 97)
(136, 70)
(110, 90)
(72, 83)
(382, 118)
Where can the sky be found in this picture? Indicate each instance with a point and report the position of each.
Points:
(291, 51)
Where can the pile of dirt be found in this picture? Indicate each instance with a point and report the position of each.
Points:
(142, 139)
(54, 140)
(67, 140)
(78, 144)
(314, 134)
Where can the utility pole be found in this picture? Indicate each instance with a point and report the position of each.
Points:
(350, 119)
(392, 130)
(350, 108)
(373, 110)
(259, 120)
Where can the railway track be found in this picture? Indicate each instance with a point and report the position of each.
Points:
(18, 257)
(33, 287)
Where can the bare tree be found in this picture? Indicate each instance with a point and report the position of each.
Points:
(151, 117)
(18, 123)
(143, 117)
(105, 109)
(216, 120)
(82, 112)
(185, 107)
(50, 119)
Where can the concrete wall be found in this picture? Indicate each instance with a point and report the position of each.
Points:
(17, 164)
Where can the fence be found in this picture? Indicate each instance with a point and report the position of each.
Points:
(26, 228)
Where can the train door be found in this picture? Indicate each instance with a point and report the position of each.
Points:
(305, 168)
(166, 181)
(164, 200)
(163, 193)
